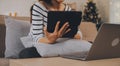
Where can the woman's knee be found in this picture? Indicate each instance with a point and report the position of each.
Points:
(29, 53)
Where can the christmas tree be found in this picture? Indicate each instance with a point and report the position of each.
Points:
(91, 13)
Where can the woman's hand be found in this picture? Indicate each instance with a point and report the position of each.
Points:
(77, 36)
(52, 37)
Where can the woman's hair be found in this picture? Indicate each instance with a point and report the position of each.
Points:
(31, 14)
(46, 1)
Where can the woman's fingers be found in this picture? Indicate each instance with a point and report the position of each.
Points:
(61, 34)
(67, 31)
(57, 27)
(64, 27)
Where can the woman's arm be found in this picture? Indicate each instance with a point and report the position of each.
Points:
(45, 40)
(36, 30)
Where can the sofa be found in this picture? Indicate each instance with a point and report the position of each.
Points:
(88, 30)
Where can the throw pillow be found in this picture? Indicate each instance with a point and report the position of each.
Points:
(64, 47)
(14, 30)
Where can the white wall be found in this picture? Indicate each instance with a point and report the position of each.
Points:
(104, 9)
(22, 7)
(115, 11)
(80, 3)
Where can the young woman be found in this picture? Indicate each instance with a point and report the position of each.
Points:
(38, 31)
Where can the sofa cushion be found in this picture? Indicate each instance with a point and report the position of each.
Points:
(63, 46)
(14, 30)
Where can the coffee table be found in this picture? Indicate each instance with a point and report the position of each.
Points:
(58, 61)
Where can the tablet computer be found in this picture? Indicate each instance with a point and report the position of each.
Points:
(72, 17)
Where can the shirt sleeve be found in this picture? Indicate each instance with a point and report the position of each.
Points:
(36, 30)
(67, 8)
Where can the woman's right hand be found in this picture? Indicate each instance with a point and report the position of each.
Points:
(52, 37)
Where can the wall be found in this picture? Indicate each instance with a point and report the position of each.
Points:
(80, 3)
(102, 6)
(115, 11)
(22, 7)
(104, 9)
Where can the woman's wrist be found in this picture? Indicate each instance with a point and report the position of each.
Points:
(52, 40)
(46, 40)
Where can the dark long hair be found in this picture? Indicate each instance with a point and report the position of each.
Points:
(46, 1)
(31, 14)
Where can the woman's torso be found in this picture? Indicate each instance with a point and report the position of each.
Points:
(39, 22)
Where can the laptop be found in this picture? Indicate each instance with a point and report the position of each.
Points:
(72, 17)
(106, 44)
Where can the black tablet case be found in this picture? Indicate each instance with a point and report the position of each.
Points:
(72, 17)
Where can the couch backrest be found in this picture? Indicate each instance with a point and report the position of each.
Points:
(18, 18)
(88, 30)
(2, 39)
(1, 19)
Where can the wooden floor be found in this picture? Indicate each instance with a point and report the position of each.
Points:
(4, 62)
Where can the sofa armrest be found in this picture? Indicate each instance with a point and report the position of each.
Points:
(2, 39)
(88, 30)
